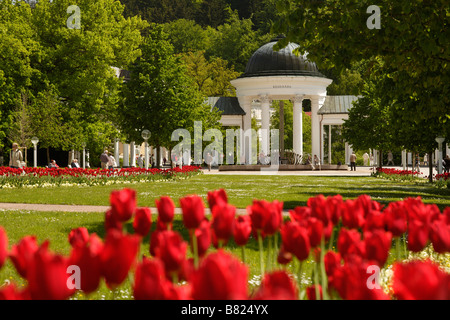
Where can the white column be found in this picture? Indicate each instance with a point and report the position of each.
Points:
(265, 124)
(329, 144)
(132, 154)
(297, 126)
(117, 152)
(245, 144)
(347, 156)
(126, 155)
(315, 127)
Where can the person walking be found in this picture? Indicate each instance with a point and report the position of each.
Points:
(16, 157)
(104, 159)
(353, 162)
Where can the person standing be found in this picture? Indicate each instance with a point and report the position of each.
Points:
(353, 162)
(111, 162)
(140, 161)
(16, 157)
(104, 159)
(390, 159)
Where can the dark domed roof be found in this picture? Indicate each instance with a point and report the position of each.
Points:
(267, 62)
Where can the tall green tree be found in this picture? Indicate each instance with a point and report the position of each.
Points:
(159, 96)
(42, 52)
(211, 77)
(412, 38)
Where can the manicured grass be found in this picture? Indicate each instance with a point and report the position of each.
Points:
(241, 189)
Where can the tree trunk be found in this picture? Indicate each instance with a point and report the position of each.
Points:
(380, 160)
(48, 155)
(430, 167)
(158, 157)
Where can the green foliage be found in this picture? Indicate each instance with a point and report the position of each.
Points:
(211, 77)
(160, 96)
(413, 43)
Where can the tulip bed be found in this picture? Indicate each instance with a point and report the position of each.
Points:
(360, 250)
(47, 177)
(399, 175)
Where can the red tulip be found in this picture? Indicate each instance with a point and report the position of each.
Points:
(377, 245)
(420, 280)
(352, 214)
(223, 221)
(334, 204)
(440, 235)
(203, 235)
(315, 231)
(111, 221)
(193, 211)
(217, 197)
(311, 292)
(142, 222)
(150, 282)
(332, 262)
(166, 209)
(118, 256)
(300, 214)
(22, 254)
(375, 220)
(266, 216)
(284, 257)
(87, 258)
(277, 286)
(320, 208)
(347, 241)
(3, 246)
(295, 239)
(123, 204)
(78, 236)
(351, 281)
(242, 229)
(171, 250)
(396, 218)
(220, 277)
(417, 235)
(47, 275)
(11, 292)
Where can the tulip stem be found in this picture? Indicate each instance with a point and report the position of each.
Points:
(397, 247)
(243, 253)
(322, 269)
(195, 248)
(269, 253)
(261, 257)
(299, 277)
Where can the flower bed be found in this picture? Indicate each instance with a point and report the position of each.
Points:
(362, 231)
(398, 175)
(443, 176)
(42, 177)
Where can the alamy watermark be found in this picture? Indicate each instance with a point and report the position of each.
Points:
(374, 21)
(74, 21)
(239, 147)
(373, 281)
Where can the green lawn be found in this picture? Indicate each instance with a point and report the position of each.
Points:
(241, 190)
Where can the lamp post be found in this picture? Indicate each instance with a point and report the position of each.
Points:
(35, 141)
(83, 145)
(440, 140)
(146, 135)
